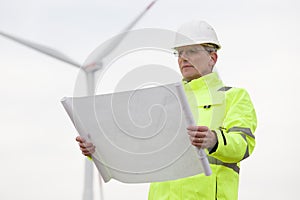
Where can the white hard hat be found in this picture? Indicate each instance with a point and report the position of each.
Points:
(196, 32)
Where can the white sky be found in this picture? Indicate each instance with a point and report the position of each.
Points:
(39, 156)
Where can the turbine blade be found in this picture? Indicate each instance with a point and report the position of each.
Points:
(42, 49)
(97, 62)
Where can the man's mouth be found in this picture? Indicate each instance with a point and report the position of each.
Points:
(187, 66)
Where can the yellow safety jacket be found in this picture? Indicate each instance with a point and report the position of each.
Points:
(230, 113)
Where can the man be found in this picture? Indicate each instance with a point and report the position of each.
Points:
(225, 119)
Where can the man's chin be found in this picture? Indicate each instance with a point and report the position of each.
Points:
(191, 77)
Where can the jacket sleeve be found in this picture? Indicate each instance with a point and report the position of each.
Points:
(236, 140)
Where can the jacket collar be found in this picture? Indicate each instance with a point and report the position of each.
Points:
(210, 80)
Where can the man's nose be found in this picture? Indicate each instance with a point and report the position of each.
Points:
(183, 56)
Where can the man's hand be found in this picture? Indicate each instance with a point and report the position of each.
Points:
(86, 148)
(202, 137)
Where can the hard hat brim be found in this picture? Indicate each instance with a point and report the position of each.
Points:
(218, 46)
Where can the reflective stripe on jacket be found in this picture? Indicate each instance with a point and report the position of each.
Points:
(230, 113)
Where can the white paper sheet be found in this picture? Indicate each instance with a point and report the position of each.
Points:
(140, 136)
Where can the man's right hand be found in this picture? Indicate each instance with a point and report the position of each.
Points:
(87, 148)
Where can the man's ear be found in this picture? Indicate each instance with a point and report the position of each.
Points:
(214, 57)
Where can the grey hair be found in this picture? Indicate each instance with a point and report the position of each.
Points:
(209, 47)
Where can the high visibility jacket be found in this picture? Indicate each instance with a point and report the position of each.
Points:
(230, 113)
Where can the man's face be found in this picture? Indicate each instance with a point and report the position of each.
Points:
(194, 61)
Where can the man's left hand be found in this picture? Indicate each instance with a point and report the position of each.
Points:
(202, 136)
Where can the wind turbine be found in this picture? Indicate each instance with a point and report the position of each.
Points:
(89, 71)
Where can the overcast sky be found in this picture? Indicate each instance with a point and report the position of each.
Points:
(39, 156)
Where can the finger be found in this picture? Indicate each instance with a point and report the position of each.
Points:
(197, 134)
(192, 133)
(196, 143)
(191, 139)
(87, 154)
(196, 140)
(199, 140)
(86, 145)
(197, 128)
(202, 134)
(87, 150)
(80, 139)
